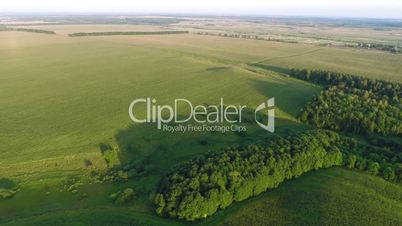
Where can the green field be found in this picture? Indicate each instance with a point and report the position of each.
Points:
(67, 110)
(62, 111)
(62, 97)
(331, 197)
(327, 197)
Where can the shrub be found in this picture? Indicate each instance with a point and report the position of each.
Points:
(351, 161)
(87, 163)
(388, 174)
(122, 197)
(7, 193)
(374, 168)
(71, 184)
(203, 142)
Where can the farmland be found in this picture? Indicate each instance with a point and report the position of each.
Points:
(63, 99)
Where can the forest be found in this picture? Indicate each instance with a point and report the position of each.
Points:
(352, 103)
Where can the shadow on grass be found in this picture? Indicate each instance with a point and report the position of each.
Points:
(289, 97)
(280, 70)
(146, 143)
(217, 69)
(7, 183)
(162, 148)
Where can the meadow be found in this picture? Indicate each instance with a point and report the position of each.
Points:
(61, 98)
(332, 197)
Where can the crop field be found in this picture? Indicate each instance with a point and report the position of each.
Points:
(64, 99)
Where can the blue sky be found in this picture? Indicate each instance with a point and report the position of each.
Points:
(330, 8)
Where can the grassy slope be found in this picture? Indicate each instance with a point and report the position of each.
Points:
(57, 113)
(327, 197)
(61, 112)
(104, 74)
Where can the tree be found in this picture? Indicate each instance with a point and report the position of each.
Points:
(160, 202)
(351, 161)
(374, 168)
(388, 174)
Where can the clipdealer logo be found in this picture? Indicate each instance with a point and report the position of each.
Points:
(205, 117)
(269, 105)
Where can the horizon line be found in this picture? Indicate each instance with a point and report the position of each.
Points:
(122, 13)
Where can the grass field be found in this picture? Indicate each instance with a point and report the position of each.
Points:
(101, 79)
(61, 97)
(327, 197)
(316, 31)
(55, 110)
(331, 197)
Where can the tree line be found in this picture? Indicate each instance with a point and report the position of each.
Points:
(377, 46)
(80, 34)
(200, 187)
(330, 78)
(40, 31)
(386, 153)
(247, 36)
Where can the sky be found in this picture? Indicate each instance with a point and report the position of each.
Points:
(327, 8)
